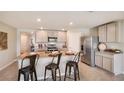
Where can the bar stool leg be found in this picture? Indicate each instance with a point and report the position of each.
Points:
(65, 72)
(78, 72)
(69, 70)
(31, 75)
(75, 76)
(53, 74)
(19, 76)
(35, 74)
(59, 74)
(45, 75)
(26, 76)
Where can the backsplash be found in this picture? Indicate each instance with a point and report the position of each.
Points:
(119, 46)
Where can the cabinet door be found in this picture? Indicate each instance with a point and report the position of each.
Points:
(52, 34)
(45, 37)
(62, 36)
(107, 63)
(111, 32)
(98, 61)
(41, 36)
(119, 31)
(102, 33)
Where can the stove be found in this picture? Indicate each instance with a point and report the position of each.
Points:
(52, 47)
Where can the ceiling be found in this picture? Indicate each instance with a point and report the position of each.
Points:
(58, 19)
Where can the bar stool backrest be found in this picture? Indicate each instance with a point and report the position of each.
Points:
(59, 58)
(76, 57)
(32, 60)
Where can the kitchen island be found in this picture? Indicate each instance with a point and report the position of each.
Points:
(44, 60)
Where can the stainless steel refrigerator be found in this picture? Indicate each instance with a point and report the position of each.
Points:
(90, 45)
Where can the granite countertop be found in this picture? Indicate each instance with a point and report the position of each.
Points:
(108, 52)
(44, 54)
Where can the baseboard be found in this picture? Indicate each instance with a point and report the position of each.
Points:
(5, 66)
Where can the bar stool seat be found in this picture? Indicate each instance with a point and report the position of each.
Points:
(51, 66)
(71, 63)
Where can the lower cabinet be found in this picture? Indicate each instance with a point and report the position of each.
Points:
(109, 61)
(98, 61)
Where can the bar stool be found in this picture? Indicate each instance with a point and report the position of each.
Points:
(73, 63)
(30, 69)
(53, 67)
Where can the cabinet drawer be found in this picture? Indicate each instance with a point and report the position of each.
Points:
(107, 63)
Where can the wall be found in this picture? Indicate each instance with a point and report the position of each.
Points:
(74, 38)
(19, 31)
(7, 56)
(25, 42)
(116, 46)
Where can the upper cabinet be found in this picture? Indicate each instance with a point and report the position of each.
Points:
(102, 33)
(111, 32)
(41, 36)
(62, 36)
(120, 31)
(52, 33)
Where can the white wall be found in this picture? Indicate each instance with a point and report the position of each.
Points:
(19, 31)
(25, 42)
(74, 38)
(7, 56)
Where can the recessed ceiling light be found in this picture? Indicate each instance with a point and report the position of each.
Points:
(90, 11)
(38, 20)
(63, 29)
(32, 32)
(41, 27)
(70, 23)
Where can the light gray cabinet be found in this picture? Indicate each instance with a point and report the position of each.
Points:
(109, 61)
(111, 32)
(98, 61)
(120, 31)
(102, 33)
(104, 61)
(108, 32)
(41, 36)
(52, 33)
(62, 36)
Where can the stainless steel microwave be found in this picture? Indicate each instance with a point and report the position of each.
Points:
(52, 39)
